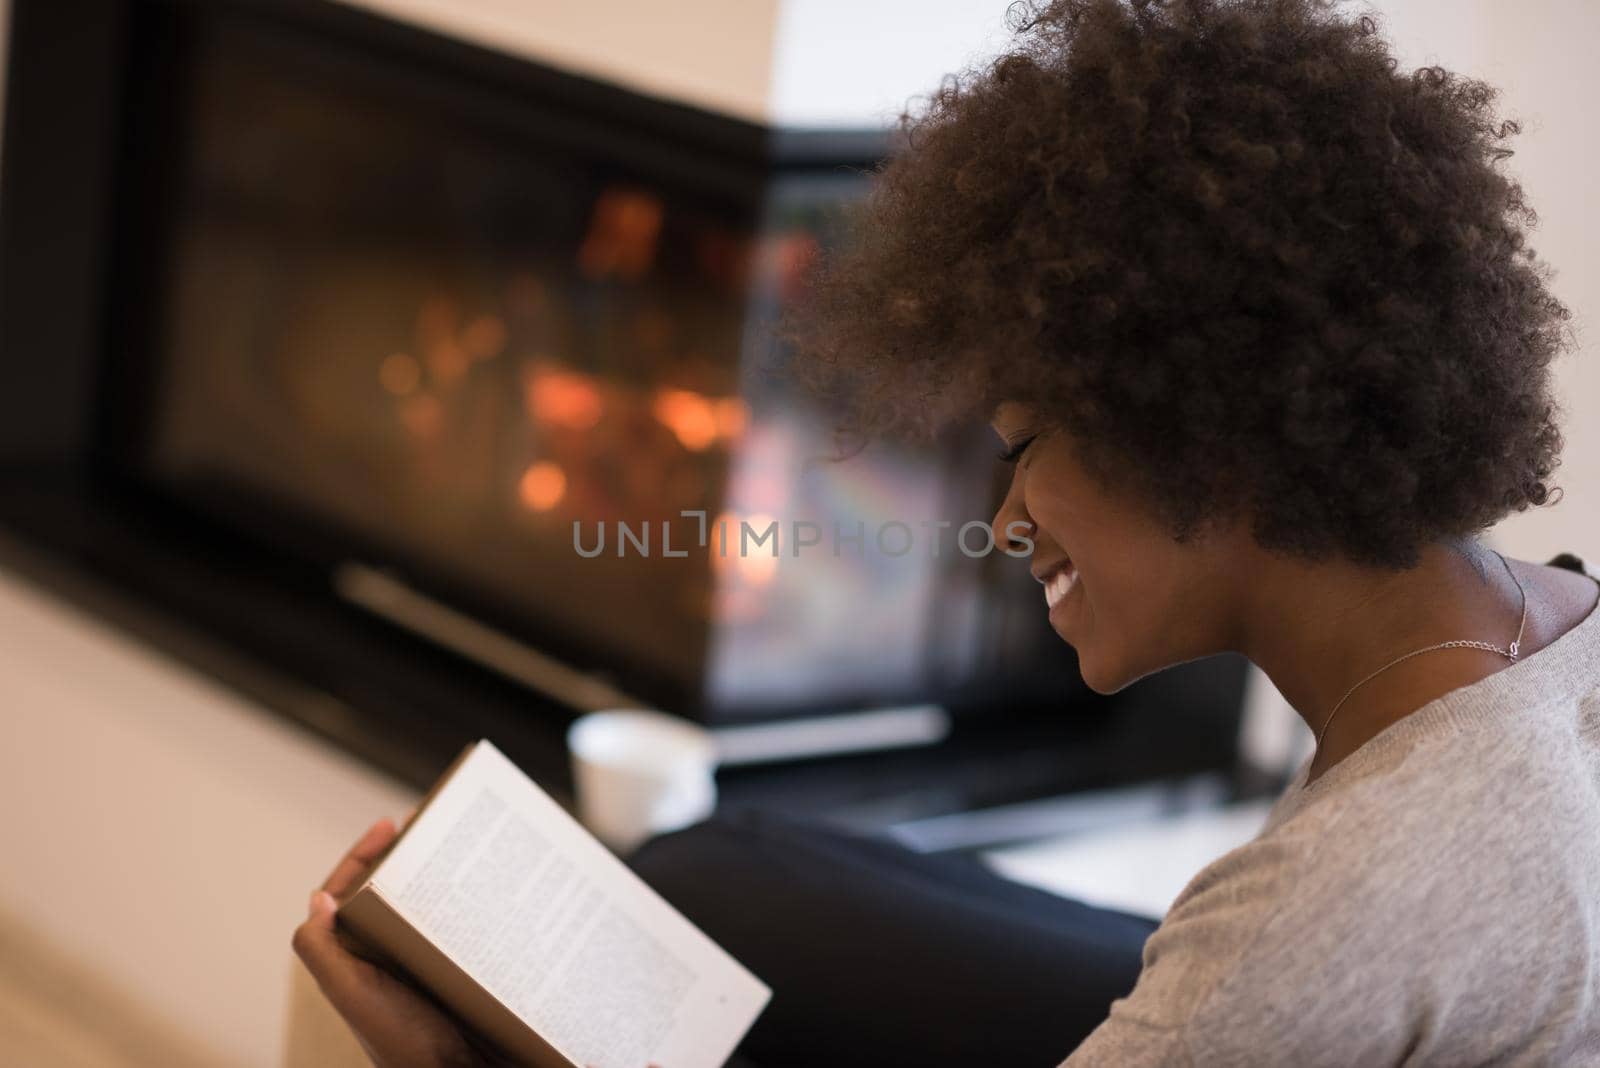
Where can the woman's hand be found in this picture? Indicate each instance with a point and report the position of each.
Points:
(398, 1025)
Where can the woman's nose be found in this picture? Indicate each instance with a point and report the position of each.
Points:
(1012, 522)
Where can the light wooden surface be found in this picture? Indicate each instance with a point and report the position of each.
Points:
(57, 1013)
(314, 1035)
(160, 829)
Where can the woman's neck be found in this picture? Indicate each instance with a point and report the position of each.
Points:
(1318, 629)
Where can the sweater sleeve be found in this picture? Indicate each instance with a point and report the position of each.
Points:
(1283, 953)
(1246, 970)
(1204, 939)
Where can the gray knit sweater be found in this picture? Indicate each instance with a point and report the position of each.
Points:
(1432, 899)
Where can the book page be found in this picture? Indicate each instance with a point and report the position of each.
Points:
(497, 875)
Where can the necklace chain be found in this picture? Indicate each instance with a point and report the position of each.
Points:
(1511, 652)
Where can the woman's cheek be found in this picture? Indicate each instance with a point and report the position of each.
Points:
(1113, 649)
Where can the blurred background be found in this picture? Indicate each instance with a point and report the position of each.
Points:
(324, 326)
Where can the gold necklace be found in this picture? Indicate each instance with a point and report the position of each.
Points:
(1511, 652)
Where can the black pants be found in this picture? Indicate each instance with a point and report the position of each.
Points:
(879, 956)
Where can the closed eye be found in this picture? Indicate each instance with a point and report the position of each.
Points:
(1014, 452)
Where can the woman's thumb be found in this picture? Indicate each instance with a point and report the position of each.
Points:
(323, 909)
(315, 937)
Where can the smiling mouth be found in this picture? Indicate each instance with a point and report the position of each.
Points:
(1059, 584)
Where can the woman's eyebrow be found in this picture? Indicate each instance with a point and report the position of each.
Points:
(1015, 432)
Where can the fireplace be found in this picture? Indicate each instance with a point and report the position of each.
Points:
(341, 343)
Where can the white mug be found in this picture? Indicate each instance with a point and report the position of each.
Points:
(640, 773)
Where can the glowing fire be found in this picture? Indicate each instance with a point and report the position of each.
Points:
(542, 486)
(688, 415)
(563, 399)
(622, 235)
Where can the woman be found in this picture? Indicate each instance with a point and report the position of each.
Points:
(1253, 314)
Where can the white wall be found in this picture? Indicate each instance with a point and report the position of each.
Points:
(846, 63)
(1542, 53)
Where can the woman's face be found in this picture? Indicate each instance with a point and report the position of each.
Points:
(1118, 588)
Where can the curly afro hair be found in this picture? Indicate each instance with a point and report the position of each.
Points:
(1253, 269)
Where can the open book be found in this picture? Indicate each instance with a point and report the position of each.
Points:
(512, 915)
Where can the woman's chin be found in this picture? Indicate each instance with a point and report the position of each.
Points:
(1103, 674)
(1107, 674)
(1102, 683)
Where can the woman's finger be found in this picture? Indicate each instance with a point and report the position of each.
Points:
(317, 944)
(354, 865)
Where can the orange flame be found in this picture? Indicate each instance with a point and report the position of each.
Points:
(564, 399)
(688, 415)
(542, 486)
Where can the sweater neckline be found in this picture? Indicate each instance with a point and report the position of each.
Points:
(1567, 666)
